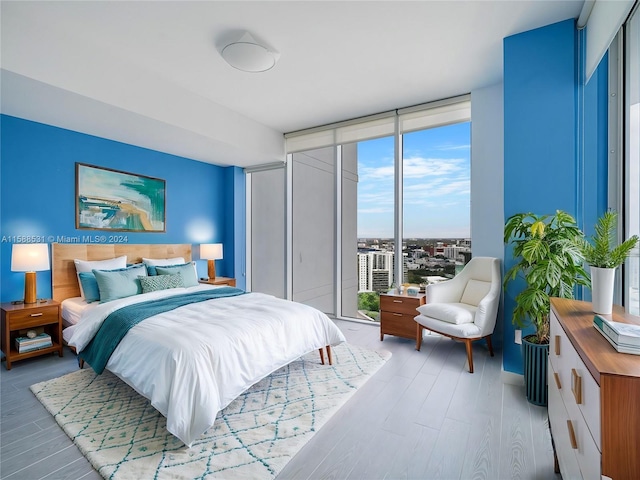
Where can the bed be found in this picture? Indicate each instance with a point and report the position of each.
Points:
(193, 360)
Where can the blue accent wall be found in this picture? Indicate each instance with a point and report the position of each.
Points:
(555, 141)
(540, 130)
(37, 195)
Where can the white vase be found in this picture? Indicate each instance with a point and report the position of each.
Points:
(602, 283)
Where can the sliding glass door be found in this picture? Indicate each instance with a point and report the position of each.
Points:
(367, 209)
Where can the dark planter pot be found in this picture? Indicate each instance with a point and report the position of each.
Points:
(535, 371)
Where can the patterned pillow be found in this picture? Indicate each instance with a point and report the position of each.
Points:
(161, 282)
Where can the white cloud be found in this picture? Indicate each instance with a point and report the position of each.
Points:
(416, 167)
(438, 188)
(375, 210)
(453, 147)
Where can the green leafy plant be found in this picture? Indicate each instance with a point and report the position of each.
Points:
(600, 252)
(549, 258)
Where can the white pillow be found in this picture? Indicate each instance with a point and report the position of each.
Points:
(89, 265)
(163, 262)
(475, 291)
(456, 313)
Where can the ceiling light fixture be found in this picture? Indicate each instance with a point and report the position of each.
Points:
(248, 55)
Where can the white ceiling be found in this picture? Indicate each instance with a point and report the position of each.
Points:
(149, 72)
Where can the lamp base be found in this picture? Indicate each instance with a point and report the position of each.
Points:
(211, 269)
(30, 287)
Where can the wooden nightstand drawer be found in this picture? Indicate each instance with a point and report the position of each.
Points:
(33, 317)
(399, 324)
(397, 313)
(400, 304)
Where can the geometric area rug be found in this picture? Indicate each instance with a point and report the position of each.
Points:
(254, 437)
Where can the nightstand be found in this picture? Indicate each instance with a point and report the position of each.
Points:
(220, 281)
(44, 314)
(397, 312)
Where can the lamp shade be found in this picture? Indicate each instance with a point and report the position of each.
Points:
(30, 257)
(211, 251)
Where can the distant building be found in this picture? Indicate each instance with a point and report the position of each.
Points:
(375, 270)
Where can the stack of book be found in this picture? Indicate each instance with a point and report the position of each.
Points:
(624, 337)
(26, 344)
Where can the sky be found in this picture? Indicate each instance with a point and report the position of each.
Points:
(436, 184)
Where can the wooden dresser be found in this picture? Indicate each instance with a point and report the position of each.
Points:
(594, 396)
(397, 311)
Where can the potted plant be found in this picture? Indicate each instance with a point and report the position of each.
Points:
(604, 258)
(548, 255)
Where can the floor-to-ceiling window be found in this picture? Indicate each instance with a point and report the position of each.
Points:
(436, 202)
(347, 191)
(632, 155)
(372, 253)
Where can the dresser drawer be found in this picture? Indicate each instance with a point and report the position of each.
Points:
(400, 304)
(558, 421)
(32, 317)
(577, 386)
(578, 454)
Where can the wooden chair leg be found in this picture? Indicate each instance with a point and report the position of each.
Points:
(469, 355)
(321, 355)
(418, 336)
(329, 357)
(488, 337)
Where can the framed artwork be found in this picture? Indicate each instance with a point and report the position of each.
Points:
(109, 199)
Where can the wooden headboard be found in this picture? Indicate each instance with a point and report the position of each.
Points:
(64, 278)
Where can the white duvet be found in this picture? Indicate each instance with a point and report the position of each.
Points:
(193, 361)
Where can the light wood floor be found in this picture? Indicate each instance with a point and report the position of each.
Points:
(422, 416)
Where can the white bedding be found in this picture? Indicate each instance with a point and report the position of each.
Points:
(72, 308)
(193, 361)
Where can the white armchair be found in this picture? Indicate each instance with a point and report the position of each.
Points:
(464, 308)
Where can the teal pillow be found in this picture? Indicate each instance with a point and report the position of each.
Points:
(151, 270)
(121, 283)
(89, 286)
(187, 270)
(160, 282)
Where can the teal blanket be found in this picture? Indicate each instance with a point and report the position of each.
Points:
(118, 323)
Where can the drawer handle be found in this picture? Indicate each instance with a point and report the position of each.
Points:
(397, 314)
(36, 314)
(397, 301)
(557, 377)
(572, 435)
(557, 345)
(576, 386)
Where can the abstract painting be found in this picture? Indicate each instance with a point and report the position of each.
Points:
(109, 199)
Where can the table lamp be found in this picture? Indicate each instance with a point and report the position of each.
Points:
(30, 258)
(211, 252)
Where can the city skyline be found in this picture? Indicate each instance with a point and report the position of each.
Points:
(436, 184)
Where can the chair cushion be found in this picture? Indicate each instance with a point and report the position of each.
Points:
(475, 291)
(456, 313)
